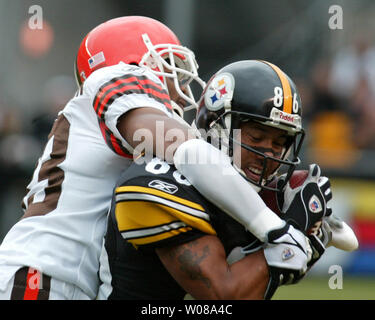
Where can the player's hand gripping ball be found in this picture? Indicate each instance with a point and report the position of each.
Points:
(303, 202)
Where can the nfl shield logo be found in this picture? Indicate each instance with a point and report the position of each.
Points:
(315, 205)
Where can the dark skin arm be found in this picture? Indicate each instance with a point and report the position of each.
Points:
(164, 143)
(201, 268)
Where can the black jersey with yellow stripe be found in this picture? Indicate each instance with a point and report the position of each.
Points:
(155, 206)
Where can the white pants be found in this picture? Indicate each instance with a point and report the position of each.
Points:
(29, 284)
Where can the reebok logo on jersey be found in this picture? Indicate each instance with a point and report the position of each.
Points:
(163, 186)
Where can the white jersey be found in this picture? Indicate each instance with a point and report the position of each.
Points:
(69, 196)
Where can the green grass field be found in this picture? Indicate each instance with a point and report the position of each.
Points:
(317, 288)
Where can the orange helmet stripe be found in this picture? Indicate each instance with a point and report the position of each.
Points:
(287, 90)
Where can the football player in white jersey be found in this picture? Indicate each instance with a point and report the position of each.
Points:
(129, 69)
(129, 66)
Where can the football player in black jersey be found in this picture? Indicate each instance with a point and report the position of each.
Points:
(164, 239)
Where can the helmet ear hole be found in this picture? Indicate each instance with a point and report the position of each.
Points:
(206, 118)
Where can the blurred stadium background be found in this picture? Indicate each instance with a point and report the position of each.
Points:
(333, 68)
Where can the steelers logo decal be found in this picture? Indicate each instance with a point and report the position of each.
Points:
(220, 92)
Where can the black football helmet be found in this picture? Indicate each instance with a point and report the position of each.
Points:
(253, 90)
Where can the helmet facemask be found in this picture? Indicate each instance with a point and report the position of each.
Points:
(227, 130)
(175, 62)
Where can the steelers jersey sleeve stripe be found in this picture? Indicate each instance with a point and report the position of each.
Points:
(113, 143)
(146, 216)
(155, 234)
(148, 232)
(128, 84)
(142, 222)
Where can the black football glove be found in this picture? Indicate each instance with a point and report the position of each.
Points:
(307, 204)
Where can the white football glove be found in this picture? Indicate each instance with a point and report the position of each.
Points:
(287, 252)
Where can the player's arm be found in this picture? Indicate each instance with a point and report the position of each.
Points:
(201, 268)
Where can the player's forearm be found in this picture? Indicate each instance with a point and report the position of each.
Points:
(211, 173)
(200, 267)
(246, 279)
(249, 277)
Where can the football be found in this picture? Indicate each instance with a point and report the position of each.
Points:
(270, 197)
(298, 178)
